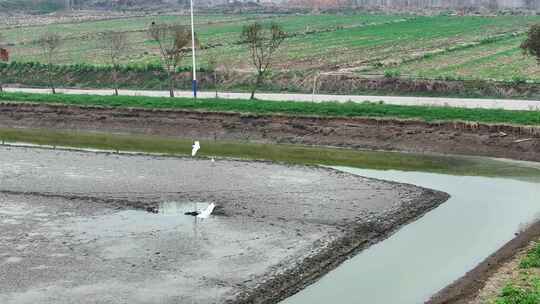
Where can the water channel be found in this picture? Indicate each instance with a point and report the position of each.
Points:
(483, 213)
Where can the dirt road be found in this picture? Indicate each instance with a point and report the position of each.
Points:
(507, 104)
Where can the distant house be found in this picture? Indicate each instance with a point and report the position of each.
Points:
(4, 55)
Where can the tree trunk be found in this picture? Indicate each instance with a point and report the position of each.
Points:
(171, 85)
(215, 84)
(51, 83)
(115, 80)
(256, 85)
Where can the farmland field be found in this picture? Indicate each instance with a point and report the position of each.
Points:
(501, 60)
(468, 47)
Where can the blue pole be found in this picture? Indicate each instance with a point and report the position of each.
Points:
(194, 87)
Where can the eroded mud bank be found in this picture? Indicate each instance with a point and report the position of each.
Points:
(520, 143)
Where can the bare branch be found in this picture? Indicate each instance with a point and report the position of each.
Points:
(263, 43)
(50, 44)
(115, 45)
(174, 44)
(531, 45)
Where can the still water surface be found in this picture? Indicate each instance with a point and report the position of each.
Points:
(482, 214)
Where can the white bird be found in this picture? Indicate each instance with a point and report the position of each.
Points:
(206, 213)
(196, 146)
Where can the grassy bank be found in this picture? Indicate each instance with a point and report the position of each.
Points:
(526, 288)
(154, 77)
(294, 154)
(329, 109)
(140, 76)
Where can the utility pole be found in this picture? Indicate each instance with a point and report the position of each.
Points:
(194, 82)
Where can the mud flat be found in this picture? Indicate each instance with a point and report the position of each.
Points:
(77, 225)
(505, 141)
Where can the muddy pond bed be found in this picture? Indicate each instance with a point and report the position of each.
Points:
(79, 225)
(111, 227)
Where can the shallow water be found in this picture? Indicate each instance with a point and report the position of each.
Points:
(172, 208)
(423, 257)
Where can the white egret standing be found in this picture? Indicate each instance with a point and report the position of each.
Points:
(207, 212)
(196, 146)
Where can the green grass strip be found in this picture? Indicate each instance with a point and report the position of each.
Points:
(327, 109)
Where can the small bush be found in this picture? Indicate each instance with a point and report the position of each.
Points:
(519, 79)
(512, 294)
(532, 260)
(392, 74)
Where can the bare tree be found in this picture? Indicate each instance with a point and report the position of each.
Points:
(212, 66)
(263, 42)
(531, 45)
(50, 44)
(115, 45)
(173, 41)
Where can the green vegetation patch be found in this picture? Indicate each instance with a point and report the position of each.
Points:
(526, 290)
(532, 260)
(361, 39)
(294, 154)
(38, 6)
(326, 109)
(513, 294)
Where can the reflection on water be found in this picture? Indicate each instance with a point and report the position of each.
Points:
(170, 217)
(482, 214)
(180, 208)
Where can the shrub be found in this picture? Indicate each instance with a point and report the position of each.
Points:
(392, 73)
(516, 79)
(512, 294)
(532, 260)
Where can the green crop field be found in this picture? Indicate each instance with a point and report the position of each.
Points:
(501, 60)
(469, 47)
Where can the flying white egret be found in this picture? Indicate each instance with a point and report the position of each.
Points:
(196, 146)
(207, 212)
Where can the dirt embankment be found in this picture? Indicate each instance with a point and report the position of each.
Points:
(225, 78)
(522, 143)
(351, 84)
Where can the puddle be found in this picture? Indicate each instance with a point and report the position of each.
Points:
(180, 208)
